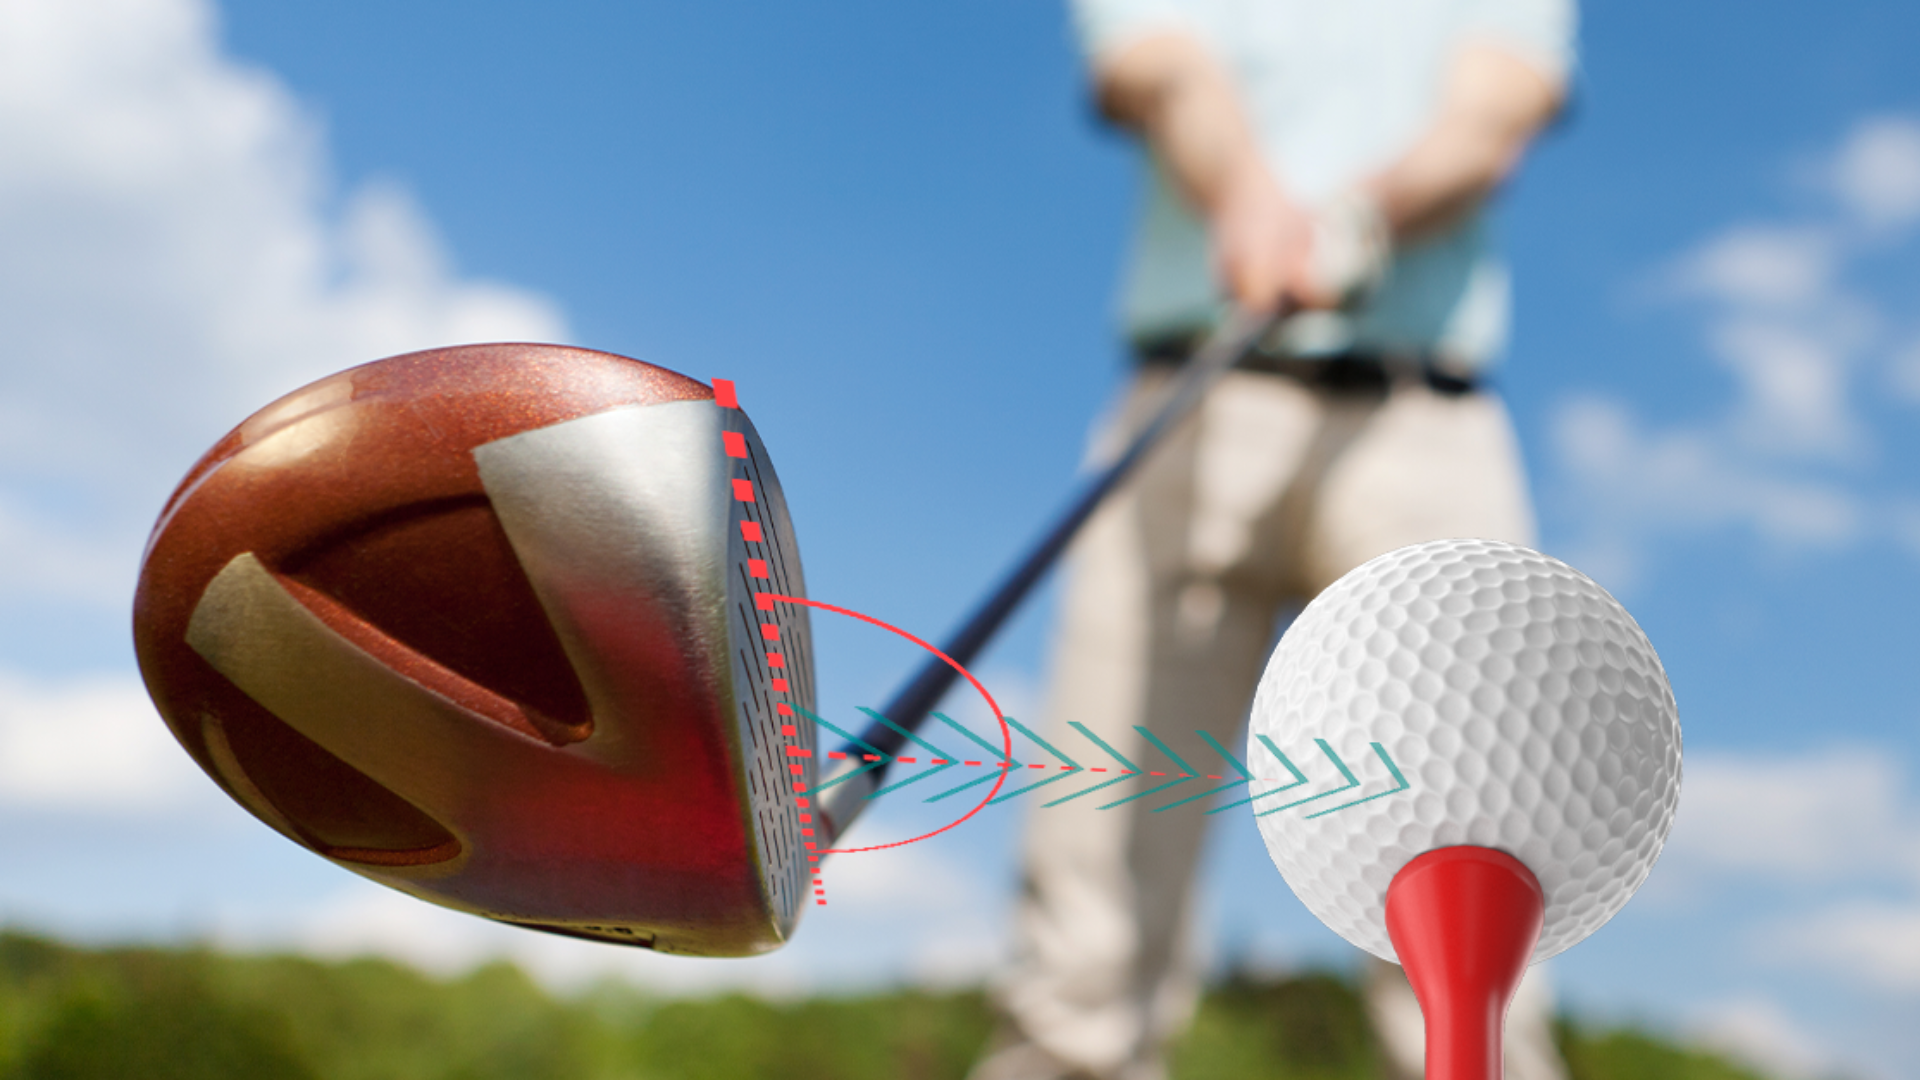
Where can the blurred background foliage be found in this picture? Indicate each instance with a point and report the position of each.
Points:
(69, 1013)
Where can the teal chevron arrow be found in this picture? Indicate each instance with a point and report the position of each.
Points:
(946, 760)
(1188, 772)
(1346, 773)
(1399, 784)
(1238, 766)
(1009, 763)
(941, 761)
(873, 752)
(1067, 770)
(1298, 778)
(1131, 769)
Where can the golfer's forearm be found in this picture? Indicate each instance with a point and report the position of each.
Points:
(1167, 87)
(1493, 105)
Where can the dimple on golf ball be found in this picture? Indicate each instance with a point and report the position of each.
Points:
(1522, 707)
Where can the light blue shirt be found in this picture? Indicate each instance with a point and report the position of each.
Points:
(1335, 90)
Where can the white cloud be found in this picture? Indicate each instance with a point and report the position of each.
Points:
(1877, 171)
(1761, 265)
(1793, 382)
(176, 257)
(1834, 834)
(1791, 455)
(1903, 375)
(45, 556)
(1839, 814)
(1904, 514)
(943, 917)
(1873, 942)
(93, 744)
(897, 880)
(1631, 479)
(1757, 1032)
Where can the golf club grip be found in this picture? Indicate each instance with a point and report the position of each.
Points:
(841, 804)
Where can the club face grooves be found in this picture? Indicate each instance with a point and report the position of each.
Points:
(772, 787)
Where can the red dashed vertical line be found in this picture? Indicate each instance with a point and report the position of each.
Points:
(725, 396)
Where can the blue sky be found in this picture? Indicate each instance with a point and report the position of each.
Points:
(897, 228)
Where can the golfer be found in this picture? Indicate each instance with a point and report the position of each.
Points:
(1337, 154)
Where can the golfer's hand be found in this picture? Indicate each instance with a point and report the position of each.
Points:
(1267, 247)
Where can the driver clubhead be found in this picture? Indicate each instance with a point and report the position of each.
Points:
(478, 623)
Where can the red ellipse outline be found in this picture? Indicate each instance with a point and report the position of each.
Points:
(1006, 733)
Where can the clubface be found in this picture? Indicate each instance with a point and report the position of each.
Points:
(477, 624)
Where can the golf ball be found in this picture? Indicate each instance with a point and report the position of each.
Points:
(1473, 692)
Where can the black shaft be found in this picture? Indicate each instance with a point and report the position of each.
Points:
(1236, 339)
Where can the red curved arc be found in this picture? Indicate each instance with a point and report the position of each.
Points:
(1006, 733)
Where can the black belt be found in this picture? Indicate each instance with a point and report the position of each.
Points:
(1355, 372)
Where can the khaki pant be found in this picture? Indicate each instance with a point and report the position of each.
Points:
(1267, 496)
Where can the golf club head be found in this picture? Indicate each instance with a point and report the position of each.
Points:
(478, 624)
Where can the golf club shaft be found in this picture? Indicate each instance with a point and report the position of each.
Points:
(841, 804)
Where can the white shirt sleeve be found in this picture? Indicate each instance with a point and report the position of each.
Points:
(1541, 32)
(1106, 25)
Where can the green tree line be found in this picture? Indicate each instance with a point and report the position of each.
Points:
(70, 1013)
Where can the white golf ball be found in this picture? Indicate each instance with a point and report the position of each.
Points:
(1523, 707)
